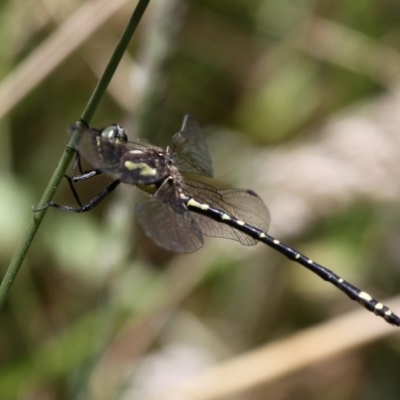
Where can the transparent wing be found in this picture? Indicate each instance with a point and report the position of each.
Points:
(169, 225)
(189, 150)
(244, 205)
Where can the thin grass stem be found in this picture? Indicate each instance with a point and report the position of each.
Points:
(67, 156)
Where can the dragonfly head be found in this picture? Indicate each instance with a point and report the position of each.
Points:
(114, 134)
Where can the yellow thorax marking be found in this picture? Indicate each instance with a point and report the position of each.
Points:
(145, 170)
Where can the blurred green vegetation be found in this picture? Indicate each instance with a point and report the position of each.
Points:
(96, 302)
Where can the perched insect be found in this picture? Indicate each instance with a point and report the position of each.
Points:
(180, 211)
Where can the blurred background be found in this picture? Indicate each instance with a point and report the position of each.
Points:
(299, 102)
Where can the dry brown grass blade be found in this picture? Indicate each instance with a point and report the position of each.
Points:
(323, 39)
(54, 50)
(283, 357)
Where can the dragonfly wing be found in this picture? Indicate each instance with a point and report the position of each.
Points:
(244, 205)
(169, 225)
(189, 150)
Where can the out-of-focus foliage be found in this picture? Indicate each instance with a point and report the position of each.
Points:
(299, 103)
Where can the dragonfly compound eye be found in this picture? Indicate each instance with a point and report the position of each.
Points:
(114, 134)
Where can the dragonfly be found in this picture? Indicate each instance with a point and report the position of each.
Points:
(179, 211)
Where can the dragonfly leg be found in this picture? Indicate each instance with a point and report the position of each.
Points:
(83, 207)
(75, 178)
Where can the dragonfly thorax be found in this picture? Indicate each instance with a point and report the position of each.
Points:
(147, 168)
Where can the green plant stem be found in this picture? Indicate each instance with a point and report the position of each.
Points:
(66, 158)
